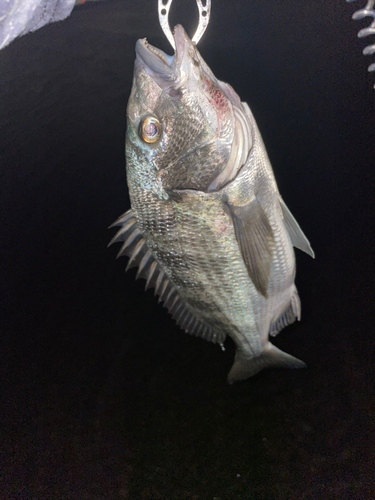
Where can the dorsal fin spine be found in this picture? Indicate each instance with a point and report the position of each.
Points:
(136, 251)
(159, 281)
(151, 273)
(136, 248)
(128, 242)
(143, 263)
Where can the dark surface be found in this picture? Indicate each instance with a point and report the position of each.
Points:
(102, 396)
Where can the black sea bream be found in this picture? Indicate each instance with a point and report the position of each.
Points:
(207, 228)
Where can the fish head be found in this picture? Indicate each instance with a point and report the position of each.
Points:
(181, 119)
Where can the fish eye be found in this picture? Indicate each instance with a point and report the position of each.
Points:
(150, 129)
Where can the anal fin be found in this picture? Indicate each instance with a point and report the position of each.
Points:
(271, 357)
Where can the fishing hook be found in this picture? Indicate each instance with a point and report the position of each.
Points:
(368, 11)
(204, 8)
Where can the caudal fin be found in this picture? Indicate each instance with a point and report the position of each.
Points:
(271, 357)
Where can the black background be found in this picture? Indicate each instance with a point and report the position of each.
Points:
(102, 396)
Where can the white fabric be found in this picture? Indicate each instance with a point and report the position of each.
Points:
(18, 17)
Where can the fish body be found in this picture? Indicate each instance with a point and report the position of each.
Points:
(208, 228)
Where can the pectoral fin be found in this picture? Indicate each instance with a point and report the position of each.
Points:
(256, 241)
(299, 240)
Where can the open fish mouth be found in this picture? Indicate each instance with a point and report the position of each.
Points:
(153, 58)
(159, 64)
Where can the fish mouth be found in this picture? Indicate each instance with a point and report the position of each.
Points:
(157, 63)
(152, 58)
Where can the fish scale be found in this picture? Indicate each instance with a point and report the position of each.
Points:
(208, 228)
(206, 269)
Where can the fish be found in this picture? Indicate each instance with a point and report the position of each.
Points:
(208, 228)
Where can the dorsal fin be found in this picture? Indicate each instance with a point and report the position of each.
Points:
(149, 268)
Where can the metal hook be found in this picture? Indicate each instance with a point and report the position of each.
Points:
(204, 8)
(368, 11)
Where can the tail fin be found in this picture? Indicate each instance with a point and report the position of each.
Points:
(271, 357)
